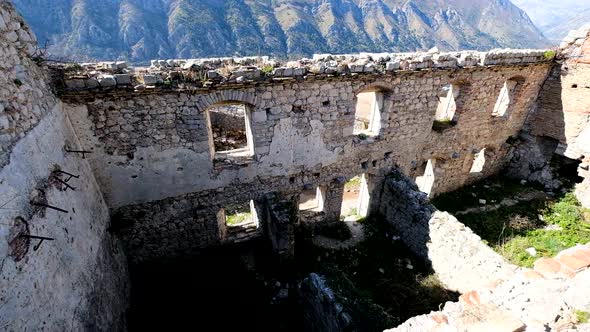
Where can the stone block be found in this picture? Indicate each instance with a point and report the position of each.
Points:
(123, 79)
(107, 81)
(488, 317)
(2, 23)
(259, 116)
(299, 71)
(75, 84)
(91, 83)
(11, 36)
(212, 74)
(150, 79)
(393, 65)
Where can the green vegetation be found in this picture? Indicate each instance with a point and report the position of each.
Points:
(237, 214)
(354, 182)
(443, 124)
(569, 228)
(267, 69)
(549, 226)
(237, 218)
(379, 281)
(582, 317)
(351, 213)
(18, 82)
(363, 136)
(549, 55)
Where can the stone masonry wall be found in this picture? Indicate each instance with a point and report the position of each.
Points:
(563, 112)
(77, 281)
(458, 256)
(152, 150)
(322, 311)
(23, 97)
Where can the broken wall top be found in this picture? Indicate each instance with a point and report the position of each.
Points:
(576, 46)
(205, 73)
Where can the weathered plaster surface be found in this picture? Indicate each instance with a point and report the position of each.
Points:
(78, 280)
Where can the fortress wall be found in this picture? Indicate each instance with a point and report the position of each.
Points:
(462, 264)
(153, 161)
(77, 279)
(563, 113)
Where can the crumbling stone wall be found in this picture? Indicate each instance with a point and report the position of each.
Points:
(77, 278)
(322, 311)
(23, 97)
(563, 111)
(458, 256)
(155, 143)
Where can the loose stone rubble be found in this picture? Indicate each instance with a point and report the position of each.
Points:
(211, 72)
(541, 299)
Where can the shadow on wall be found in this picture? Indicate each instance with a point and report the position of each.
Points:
(457, 255)
(549, 147)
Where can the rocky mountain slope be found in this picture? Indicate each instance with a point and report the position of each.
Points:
(559, 31)
(139, 30)
(556, 18)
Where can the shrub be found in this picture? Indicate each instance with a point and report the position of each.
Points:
(549, 55)
(443, 124)
(267, 69)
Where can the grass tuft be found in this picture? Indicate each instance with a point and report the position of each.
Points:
(548, 226)
(583, 317)
(238, 218)
(549, 55)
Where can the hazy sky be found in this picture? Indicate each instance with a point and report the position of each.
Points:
(546, 13)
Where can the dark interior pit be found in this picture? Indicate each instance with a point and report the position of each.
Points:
(379, 282)
(567, 168)
(216, 291)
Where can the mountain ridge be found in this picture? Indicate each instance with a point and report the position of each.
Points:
(139, 30)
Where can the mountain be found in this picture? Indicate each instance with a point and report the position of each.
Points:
(559, 31)
(139, 30)
(556, 18)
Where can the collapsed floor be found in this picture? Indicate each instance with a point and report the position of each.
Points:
(361, 276)
(382, 281)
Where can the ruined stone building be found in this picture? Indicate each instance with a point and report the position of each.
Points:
(102, 164)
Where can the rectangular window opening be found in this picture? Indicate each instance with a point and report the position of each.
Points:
(447, 106)
(504, 99)
(367, 116)
(426, 181)
(355, 199)
(230, 131)
(479, 162)
(312, 200)
(240, 215)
